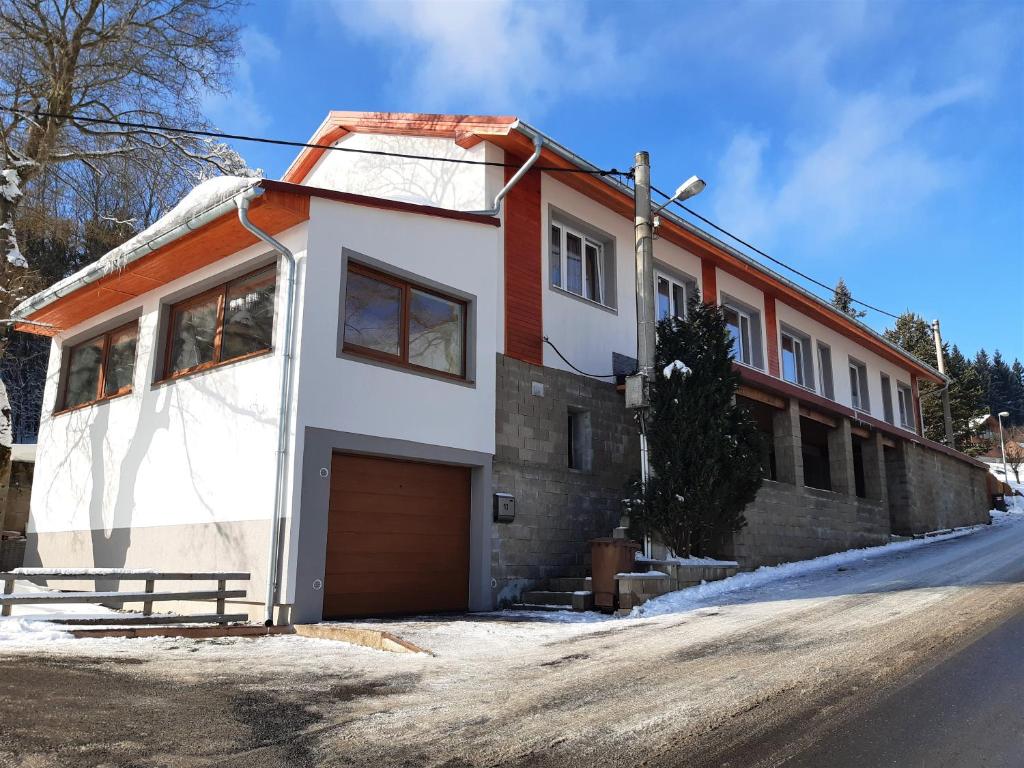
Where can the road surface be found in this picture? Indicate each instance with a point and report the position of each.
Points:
(908, 658)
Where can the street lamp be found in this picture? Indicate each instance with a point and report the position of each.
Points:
(1002, 445)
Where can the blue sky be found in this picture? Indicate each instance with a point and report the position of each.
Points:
(878, 141)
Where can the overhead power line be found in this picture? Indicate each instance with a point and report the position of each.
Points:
(299, 144)
(772, 259)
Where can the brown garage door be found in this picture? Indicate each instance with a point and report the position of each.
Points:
(397, 537)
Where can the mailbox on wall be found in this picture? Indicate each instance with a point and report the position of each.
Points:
(504, 507)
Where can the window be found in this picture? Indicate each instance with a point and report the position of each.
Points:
(101, 368)
(905, 399)
(230, 322)
(797, 366)
(579, 449)
(859, 386)
(826, 384)
(738, 322)
(887, 398)
(671, 295)
(577, 264)
(390, 319)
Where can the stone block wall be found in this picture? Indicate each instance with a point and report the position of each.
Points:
(930, 490)
(787, 522)
(558, 510)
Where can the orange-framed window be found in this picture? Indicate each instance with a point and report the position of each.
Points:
(397, 321)
(101, 368)
(231, 322)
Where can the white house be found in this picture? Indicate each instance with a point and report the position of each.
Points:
(344, 440)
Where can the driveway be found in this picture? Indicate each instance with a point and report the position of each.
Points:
(749, 677)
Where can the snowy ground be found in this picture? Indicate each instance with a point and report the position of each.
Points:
(727, 663)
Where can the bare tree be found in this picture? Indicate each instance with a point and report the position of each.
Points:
(65, 64)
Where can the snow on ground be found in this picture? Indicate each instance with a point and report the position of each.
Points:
(686, 599)
(34, 623)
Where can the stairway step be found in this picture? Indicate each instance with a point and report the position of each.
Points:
(546, 597)
(570, 584)
(540, 607)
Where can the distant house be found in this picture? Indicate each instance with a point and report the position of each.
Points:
(353, 463)
(985, 434)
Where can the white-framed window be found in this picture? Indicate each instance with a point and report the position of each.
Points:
(672, 295)
(905, 401)
(797, 366)
(859, 386)
(826, 384)
(739, 324)
(886, 398)
(577, 263)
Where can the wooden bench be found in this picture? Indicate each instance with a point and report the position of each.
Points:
(147, 597)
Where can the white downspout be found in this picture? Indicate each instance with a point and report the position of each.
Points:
(494, 210)
(284, 415)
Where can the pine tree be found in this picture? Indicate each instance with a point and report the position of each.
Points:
(914, 334)
(705, 449)
(1017, 393)
(842, 300)
(966, 399)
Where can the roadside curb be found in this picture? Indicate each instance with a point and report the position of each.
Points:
(370, 638)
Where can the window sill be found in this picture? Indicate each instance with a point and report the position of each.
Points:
(91, 403)
(209, 367)
(583, 299)
(427, 373)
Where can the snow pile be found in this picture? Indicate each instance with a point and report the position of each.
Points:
(676, 365)
(685, 599)
(674, 560)
(207, 195)
(16, 630)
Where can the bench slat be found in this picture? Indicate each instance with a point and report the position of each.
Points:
(31, 598)
(57, 574)
(205, 618)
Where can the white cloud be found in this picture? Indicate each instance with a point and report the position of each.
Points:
(499, 55)
(240, 109)
(868, 166)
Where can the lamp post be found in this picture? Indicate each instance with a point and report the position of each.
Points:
(638, 386)
(1002, 445)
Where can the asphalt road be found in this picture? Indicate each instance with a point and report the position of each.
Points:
(909, 659)
(966, 712)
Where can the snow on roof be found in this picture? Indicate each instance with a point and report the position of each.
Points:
(204, 197)
(977, 421)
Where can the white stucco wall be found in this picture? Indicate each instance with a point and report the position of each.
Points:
(358, 396)
(200, 449)
(458, 186)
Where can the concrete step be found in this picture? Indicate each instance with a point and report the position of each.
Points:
(547, 597)
(570, 584)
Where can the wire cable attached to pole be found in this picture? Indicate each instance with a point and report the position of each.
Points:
(582, 373)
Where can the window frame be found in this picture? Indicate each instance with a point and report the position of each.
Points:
(826, 387)
(684, 283)
(802, 358)
(863, 404)
(401, 360)
(905, 406)
(604, 285)
(221, 291)
(887, 409)
(102, 380)
(746, 346)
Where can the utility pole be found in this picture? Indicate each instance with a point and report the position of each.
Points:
(638, 386)
(947, 416)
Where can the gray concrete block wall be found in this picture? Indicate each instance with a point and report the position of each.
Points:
(558, 510)
(787, 522)
(934, 490)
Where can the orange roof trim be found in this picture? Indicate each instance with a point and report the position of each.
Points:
(466, 130)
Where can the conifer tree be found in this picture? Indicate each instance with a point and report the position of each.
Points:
(705, 449)
(842, 300)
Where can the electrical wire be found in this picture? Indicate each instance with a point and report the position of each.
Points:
(582, 373)
(772, 259)
(300, 144)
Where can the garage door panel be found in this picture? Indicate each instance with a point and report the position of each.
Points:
(398, 537)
